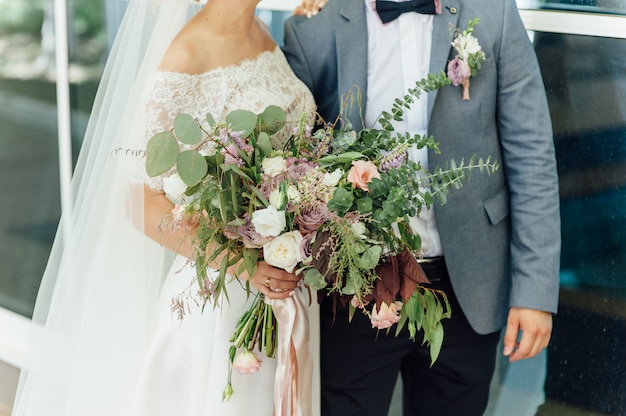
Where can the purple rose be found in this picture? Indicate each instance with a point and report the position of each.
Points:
(298, 168)
(458, 71)
(269, 184)
(249, 236)
(310, 218)
(305, 248)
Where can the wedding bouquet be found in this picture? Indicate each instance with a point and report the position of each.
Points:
(332, 204)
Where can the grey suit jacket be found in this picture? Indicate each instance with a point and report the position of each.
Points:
(500, 233)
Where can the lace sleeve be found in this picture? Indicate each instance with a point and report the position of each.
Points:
(169, 96)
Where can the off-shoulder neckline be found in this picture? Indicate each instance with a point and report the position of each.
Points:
(242, 63)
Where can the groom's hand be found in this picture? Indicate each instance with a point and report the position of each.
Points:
(536, 328)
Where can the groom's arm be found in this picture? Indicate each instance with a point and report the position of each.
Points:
(295, 52)
(310, 50)
(529, 161)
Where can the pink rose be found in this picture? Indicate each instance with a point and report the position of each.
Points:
(458, 71)
(361, 173)
(246, 362)
(387, 316)
(357, 304)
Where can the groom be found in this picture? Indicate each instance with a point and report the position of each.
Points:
(494, 247)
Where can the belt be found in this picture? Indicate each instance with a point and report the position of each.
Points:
(429, 260)
(434, 267)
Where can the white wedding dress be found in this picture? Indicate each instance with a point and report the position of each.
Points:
(186, 366)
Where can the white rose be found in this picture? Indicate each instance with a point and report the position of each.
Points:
(333, 178)
(174, 188)
(293, 194)
(466, 46)
(274, 166)
(276, 198)
(269, 222)
(284, 251)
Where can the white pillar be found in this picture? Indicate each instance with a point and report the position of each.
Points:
(63, 106)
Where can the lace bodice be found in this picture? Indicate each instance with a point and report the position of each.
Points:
(252, 85)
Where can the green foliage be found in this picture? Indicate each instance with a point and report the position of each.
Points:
(342, 201)
(21, 17)
(87, 18)
(192, 167)
(161, 153)
(242, 121)
(187, 129)
(272, 119)
(314, 279)
(425, 310)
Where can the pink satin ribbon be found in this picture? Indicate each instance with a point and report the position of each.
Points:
(294, 370)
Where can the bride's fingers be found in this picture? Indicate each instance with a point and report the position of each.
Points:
(273, 282)
(309, 8)
(274, 294)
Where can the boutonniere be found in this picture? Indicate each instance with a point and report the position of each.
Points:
(468, 60)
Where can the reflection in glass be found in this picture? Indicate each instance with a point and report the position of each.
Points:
(28, 154)
(29, 169)
(585, 80)
(593, 6)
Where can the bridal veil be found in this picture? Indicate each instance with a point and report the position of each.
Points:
(94, 309)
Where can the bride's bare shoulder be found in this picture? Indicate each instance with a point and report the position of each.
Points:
(185, 54)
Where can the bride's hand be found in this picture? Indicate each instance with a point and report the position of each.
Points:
(309, 8)
(273, 282)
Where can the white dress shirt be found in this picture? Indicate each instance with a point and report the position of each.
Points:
(398, 57)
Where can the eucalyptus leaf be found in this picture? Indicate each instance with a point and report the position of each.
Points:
(341, 201)
(350, 287)
(365, 205)
(241, 121)
(273, 119)
(187, 129)
(264, 144)
(371, 257)
(210, 120)
(314, 279)
(344, 139)
(161, 153)
(192, 167)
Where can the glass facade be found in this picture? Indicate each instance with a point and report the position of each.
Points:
(593, 6)
(588, 105)
(29, 156)
(582, 372)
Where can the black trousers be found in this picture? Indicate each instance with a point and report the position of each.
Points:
(360, 365)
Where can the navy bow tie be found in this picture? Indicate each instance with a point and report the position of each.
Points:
(390, 10)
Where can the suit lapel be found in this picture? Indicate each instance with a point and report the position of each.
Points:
(441, 38)
(351, 43)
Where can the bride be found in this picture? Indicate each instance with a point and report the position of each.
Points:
(104, 339)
